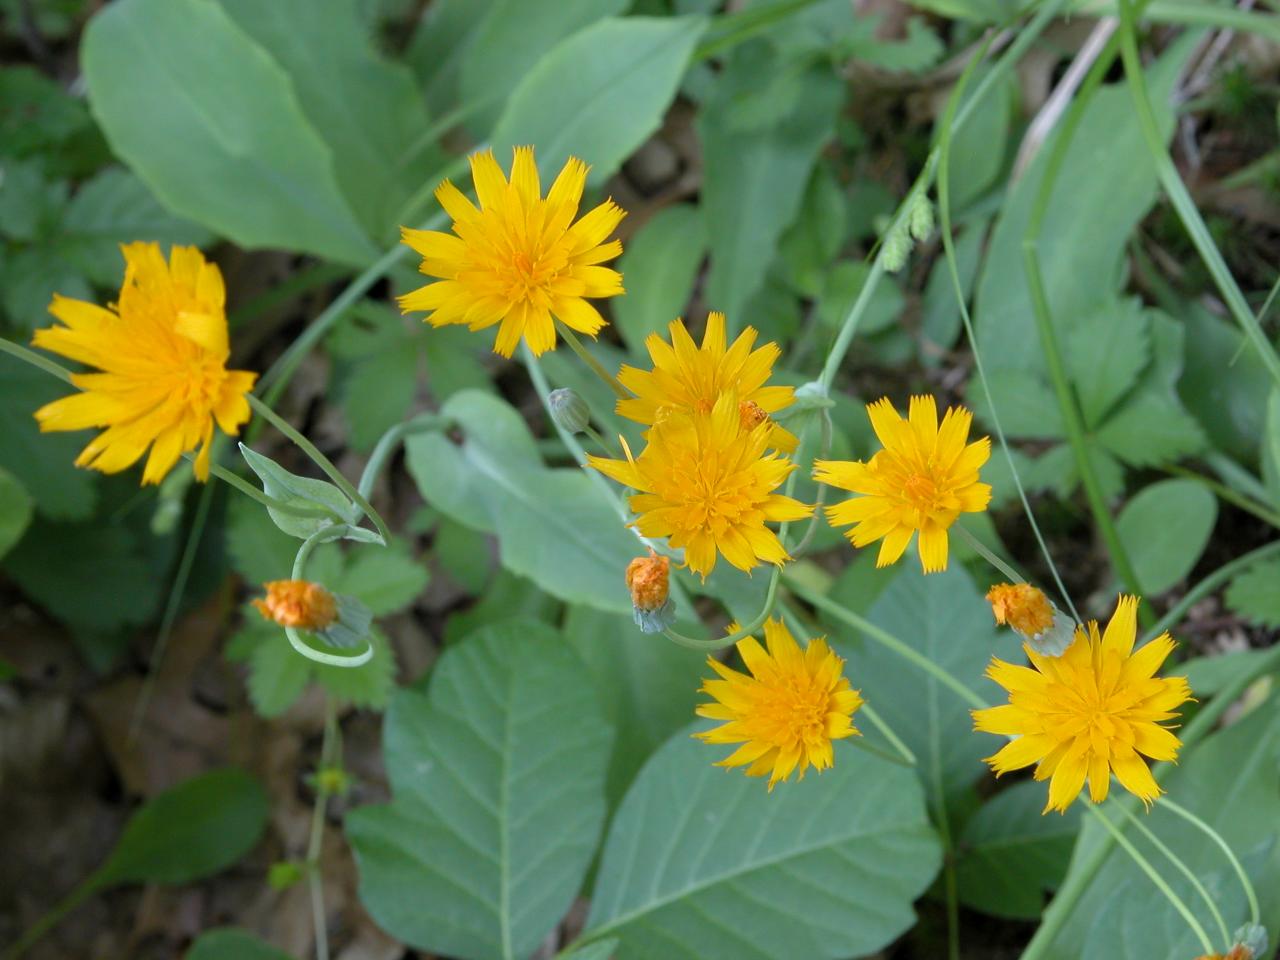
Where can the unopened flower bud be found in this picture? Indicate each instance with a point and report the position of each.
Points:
(922, 218)
(895, 249)
(298, 603)
(1033, 616)
(568, 410)
(648, 579)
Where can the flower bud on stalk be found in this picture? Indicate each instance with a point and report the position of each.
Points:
(569, 411)
(1033, 616)
(648, 579)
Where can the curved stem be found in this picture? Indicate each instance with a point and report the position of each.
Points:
(321, 461)
(1208, 585)
(1255, 913)
(812, 529)
(324, 535)
(980, 548)
(885, 639)
(770, 598)
(1155, 878)
(597, 368)
(904, 757)
(388, 442)
(1182, 868)
(36, 360)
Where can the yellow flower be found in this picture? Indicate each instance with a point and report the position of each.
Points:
(162, 353)
(298, 603)
(707, 484)
(925, 477)
(685, 377)
(519, 259)
(787, 712)
(1097, 709)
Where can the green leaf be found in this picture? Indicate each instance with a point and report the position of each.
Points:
(378, 392)
(386, 579)
(36, 114)
(941, 322)
(505, 597)
(942, 616)
(259, 550)
(1231, 408)
(813, 241)
(1254, 594)
(1025, 404)
(497, 777)
(229, 943)
(194, 830)
(297, 491)
(29, 205)
(754, 181)
(213, 124)
(1229, 781)
(1210, 675)
(979, 148)
(16, 507)
(1106, 185)
(511, 40)
(600, 93)
(603, 950)
(555, 527)
(43, 463)
(1011, 853)
(843, 284)
(463, 555)
(703, 863)
(440, 46)
(1107, 351)
(1151, 429)
(648, 686)
(661, 263)
(365, 108)
(1164, 529)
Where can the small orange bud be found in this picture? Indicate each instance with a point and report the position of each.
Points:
(1021, 606)
(648, 580)
(752, 414)
(298, 603)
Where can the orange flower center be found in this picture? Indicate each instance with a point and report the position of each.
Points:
(796, 714)
(922, 491)
(1023, 607)
(298, 603)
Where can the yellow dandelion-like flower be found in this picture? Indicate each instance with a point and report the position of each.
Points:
(707, 484)
(925, 477)
(687, 377)
(162, 355)
(1096, 710)
(787, 712)
(298, 603)
(520, 259)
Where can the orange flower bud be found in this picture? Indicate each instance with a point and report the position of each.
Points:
(298, 603)
(1032, 614)
(648, 580)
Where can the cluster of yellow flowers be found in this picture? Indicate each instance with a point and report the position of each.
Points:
(707, 480)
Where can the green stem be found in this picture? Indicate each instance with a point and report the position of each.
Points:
(87, 888)
(600, 442)
(1154, 877)
(388, 442)
(706, 646)
(980, 548)
(1223, 492)
(1182, 868)
(820, 500)
(1075, 425)
(321, 461)
(904, 756)
(1255, 913)
(323, 535)
(315, 845)
(36, 360)
(1078, 880)
(885, 639)
(576, 346)
(1210, 584)
(1181, 199)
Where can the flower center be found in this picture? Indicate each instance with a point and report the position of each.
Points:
(799, 715)
(921, 491)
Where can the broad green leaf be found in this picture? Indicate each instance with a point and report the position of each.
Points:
(600, 93)
(754, 180)
(386, 579)
(843, 284)
(1149, 429)
(506, 596)
(1229, 780)
(213, 125)
(259, 550)
(297, 491)
(378, 392)
(1011, 854)
(944, 617)
(366, 109)
(1256, 594)
(511, 40)
(941, 322)
(497, 776)
(1211, 674)
(981, 11)
(36, 114)
(43, 462)
(1107, 351)
(555, 527)
(603, 950)
(1270, 452)
(194, 830)
(1025, 404)
(1164, 529)
(1231, 407)
(232, 944)
(813, 241)
(648, 685)
(29, 204)
(16, 507)
(661, 263)
(464, 555)
(440, 46)
(703, 863)
(1106, 184)
(979, 148)
(278, 674)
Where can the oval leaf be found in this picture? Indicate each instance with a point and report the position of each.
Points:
(704, 864)
(1164, 529)
(233, 944)
(498, 781)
